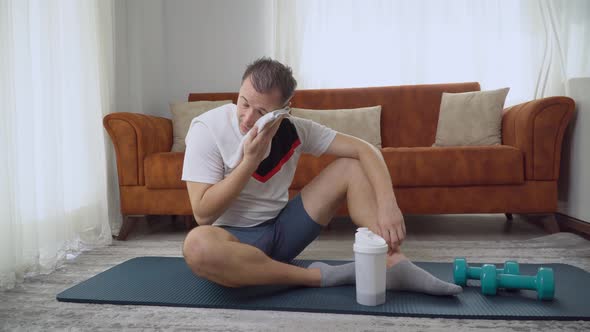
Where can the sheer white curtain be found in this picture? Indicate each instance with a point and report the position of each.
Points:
(529, 45)
(55, 87)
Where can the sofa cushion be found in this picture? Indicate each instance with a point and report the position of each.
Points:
(409, 113)
(435, 166)
(471, 118)
(163, 170)
(409, 167)
(183, 114)
(364, 122)
(454, 166)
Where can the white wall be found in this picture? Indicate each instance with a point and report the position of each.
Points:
(139, 53)
(574, 181)
(166, 49)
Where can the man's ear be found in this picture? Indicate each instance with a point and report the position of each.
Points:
(287, 104)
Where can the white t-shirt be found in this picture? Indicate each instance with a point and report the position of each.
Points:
(214, 136)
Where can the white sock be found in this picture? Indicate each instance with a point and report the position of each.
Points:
(403, 276)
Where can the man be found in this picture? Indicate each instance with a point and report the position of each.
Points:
(249, 231)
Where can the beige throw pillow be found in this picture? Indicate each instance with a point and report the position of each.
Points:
(183, 114)
(471, 118)
(363, 123)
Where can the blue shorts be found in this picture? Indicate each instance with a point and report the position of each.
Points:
(283, 237)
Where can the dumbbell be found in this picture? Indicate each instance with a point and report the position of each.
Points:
(462, 271)
(543, 282)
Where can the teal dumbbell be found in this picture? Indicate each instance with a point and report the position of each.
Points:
(543, 282)
(462, 271)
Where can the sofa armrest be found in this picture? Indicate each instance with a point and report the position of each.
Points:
(135, 136)
(536, 128)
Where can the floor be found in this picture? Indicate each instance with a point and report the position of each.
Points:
(486, 238)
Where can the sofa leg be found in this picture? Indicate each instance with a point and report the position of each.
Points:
(508, 216)
(184, 222)
(508, 225)
(189, 222)
(550, 224)
(546, 221)
(127, 226)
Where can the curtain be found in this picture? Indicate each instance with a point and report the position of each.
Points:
(530, 46)
(56, 86)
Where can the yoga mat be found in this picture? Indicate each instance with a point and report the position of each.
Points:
(167, 281)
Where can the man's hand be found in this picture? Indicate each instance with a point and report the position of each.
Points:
(257, 143)
(391, 227)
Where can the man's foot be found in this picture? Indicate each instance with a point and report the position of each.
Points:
(406, 276)
(335, 275)
(403, 276)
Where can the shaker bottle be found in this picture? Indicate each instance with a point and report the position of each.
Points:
(370, 262)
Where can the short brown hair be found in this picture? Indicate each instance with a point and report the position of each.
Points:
(267, 74)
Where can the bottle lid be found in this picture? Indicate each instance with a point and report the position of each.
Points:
(368, 242)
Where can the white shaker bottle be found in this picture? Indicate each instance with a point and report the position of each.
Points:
(370, 252)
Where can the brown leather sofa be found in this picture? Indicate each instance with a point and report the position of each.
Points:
(519, 176)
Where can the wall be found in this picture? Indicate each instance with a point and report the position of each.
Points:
(166, 49)
(574, 182)
(139, 53)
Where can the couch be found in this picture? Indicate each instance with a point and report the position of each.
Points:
(518, 176)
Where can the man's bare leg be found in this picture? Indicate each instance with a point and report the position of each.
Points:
(215, 254)
(325, 193)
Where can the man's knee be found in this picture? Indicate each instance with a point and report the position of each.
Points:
(348, 166)
(198, 249)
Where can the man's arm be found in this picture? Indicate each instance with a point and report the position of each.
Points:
(390, 219)
(209, 201)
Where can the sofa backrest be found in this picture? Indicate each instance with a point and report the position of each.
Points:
(409, 113)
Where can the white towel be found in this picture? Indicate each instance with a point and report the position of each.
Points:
(261, 123)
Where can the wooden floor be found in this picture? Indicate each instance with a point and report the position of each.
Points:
(484, 238)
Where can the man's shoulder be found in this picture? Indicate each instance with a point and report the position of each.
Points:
(307, 125)
(300, 122)
(214, 117)
(216, 113)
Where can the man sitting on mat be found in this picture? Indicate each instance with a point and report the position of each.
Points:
(249, 230)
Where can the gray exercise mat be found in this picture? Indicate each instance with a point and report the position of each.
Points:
(167, 281)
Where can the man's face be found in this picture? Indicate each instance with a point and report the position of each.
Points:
(252, 105)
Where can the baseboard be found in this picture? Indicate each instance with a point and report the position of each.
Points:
(571, 224)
